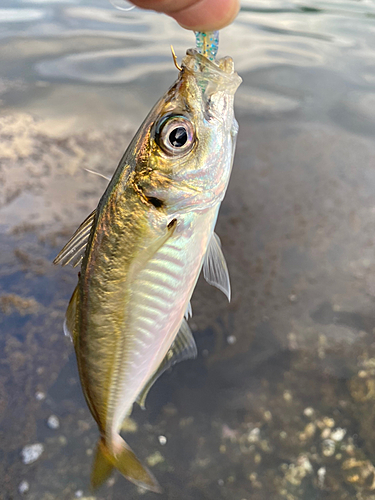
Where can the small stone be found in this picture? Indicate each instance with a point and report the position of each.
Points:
(305, 463)
(310, 429)
(328, 447)
(292, 297)
(111, 481)
(39, 396)
(184, 422)
(287, 395)
(283, 435)
(328, 422)
(349, 449)
(321, 476)
(267, 416)
(220, 482)
(129, 425)
(253, 435)
(23, 487)
(265, 446)
(338, 434)
(53, 422)
(170, 410)
(78, 494)
(89, 452)
(63, 441)
(292, 341)
(31, 453)
(231, 339)
(308, 412)
(154, 459)
(162, 440)
(326, 433)
(228, 433)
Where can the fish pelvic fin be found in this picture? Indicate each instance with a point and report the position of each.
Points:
(125, 462)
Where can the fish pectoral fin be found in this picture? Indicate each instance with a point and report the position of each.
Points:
(73, 251)
(189, 311)
(126, 462)
(183, 347)
(70, 316)
(215, 270)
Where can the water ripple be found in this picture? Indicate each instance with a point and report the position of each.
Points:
(110, 66)
(262, 102)
(20, 15)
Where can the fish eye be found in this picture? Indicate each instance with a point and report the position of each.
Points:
(175, 135)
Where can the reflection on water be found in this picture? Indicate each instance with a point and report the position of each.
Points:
(281, 401)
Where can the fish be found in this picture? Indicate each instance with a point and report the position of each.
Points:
(142, 249)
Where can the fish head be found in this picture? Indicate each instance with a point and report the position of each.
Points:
(187, 143)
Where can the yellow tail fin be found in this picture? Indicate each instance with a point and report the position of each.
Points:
(126, 462)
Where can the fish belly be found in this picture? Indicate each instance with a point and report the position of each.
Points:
(159, 296)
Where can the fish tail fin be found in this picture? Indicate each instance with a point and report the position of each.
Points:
(102, 467)
(126, 462)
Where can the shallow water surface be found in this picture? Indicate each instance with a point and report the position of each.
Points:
(280, 403)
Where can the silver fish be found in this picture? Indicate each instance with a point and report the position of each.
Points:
(143, 248)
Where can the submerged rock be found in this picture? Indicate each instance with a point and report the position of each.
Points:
(31, 453)
(53, 422)
(23, 487)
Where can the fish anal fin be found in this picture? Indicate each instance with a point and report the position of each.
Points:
(183, 347)
(125, 462)
(73, 251)
(70, 316)
(215, 270)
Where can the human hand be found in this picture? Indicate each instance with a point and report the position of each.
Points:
(197, 15)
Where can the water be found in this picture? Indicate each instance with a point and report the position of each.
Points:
(280, 403)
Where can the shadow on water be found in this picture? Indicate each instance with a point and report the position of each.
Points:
(279, 403)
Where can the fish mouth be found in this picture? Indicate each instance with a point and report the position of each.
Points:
(212, 75)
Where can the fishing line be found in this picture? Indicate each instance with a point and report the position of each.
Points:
(123, 5)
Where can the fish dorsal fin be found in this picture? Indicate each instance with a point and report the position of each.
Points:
(70, 316)
(215, 270)
(98, 174)
(73, 251)
(183, 347)
(189, 311)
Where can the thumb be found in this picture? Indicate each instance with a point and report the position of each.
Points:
(198, 15)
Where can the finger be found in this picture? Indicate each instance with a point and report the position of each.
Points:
(198, 15)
